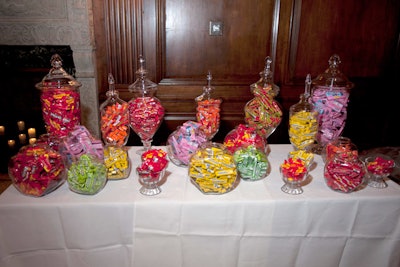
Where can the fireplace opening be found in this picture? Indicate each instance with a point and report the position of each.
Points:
(21, 67)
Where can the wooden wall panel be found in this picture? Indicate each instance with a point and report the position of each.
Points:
(300, 35)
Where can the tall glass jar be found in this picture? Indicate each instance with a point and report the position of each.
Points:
(114, 117)
(60, 99)
(263, 111)
(208, 110)
(303, 121)
(330, 96)
(145, 110)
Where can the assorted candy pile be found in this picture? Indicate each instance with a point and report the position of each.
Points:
(331, 106)
(87, 175)
(208, 115)
(146, 115)
(80, 141)
(251, 163)
(154, 161)
(307, 157)
(61, 110)
(380, 165)
(293, 169)
(36, 170)
(114, 124)
(243, 136)
(344, 175)
(183, 142)
(117, 162)
(263, 112)
(212, 169)
(303, 129)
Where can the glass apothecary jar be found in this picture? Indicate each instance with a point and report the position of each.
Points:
(341, 145)
(114, 117)
(330, 96)
(344, 173)
(208, 110)
(379, 167)
(303, 121)
(212, 169)
(184, 141)
(263, 111)
(60, 99)
(145, 110)
(244, 135)
(36, 170)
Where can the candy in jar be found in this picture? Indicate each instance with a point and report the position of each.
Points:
(330, 96)
(114, 117)
(252, 163)
(344, 174)
(87, 175)
(37, 170)
(212, 169)
(184, 141)
(117, 162)
(303, 123)
(379, 167)
(242, 136)
(145, 110)
(208, 110)
(60, 99)
(294, 172)
(263, 111)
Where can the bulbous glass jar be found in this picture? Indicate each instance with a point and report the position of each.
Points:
(212, 169)
(330, 96)
(208, 110)
(36, 170)
(114, 117)
(87, 175)
(60, 99)
(145, 110)
(344, 173)
(184, 141)
(303, 121)
(263, 111)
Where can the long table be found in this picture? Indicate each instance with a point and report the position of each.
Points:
(256, 224)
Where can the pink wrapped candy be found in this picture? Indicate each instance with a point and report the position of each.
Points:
(37, 170)
(184, 141)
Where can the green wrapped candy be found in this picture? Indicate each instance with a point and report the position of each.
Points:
(251, 163)
(87, 176)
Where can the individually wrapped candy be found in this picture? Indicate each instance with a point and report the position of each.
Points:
(184, 141)
(37, 170)
(243, 136)
(87, 175)
(117, 162)
(78, 142)
(252, 164)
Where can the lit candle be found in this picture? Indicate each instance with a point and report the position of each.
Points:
(22, 138)
(21, 125)
(32, 140)
(11, 143)
(32, 132)
(2, 130)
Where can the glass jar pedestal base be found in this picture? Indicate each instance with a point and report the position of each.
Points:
(150, 182)
(292, 188)
(377, 181)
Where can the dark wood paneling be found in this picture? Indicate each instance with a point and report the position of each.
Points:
(300, 35)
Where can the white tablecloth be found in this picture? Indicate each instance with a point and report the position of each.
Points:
(254, 225)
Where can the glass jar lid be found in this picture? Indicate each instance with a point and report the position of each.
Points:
(57, 76)
(266, 79)
(332, 76)
(142, 84)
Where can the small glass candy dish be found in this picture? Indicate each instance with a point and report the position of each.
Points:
(152, 171)
(294, 172)
(379, 167)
